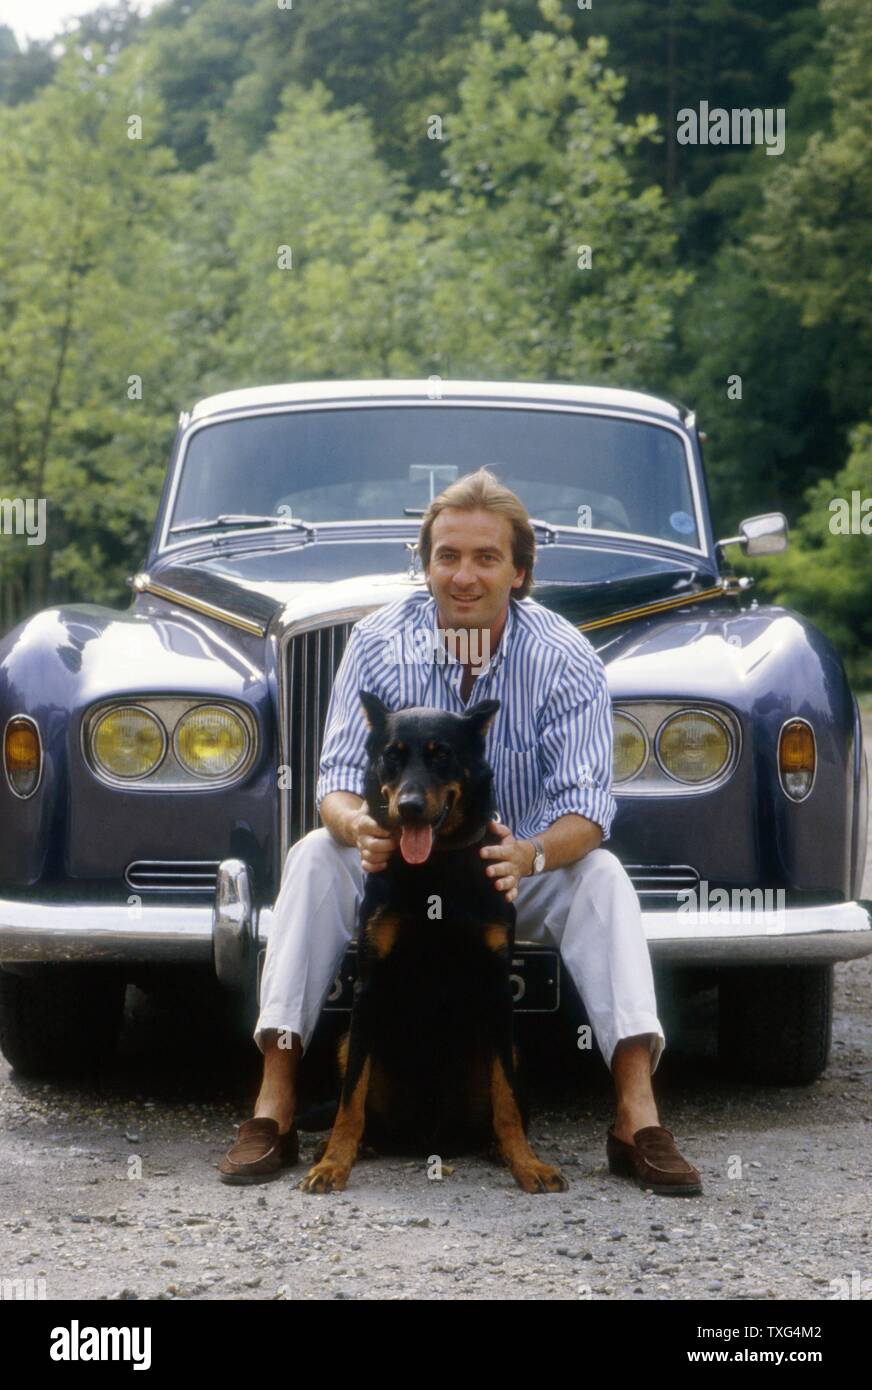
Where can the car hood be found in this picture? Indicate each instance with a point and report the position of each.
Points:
(583, 579)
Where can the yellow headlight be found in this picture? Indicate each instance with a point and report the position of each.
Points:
(211, 741)
(631, 749)
(693, 746)
(128, 742)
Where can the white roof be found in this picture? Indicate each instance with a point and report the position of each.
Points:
(297, 392)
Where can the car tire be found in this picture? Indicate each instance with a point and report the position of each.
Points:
(60, 1021)
(775, 1023)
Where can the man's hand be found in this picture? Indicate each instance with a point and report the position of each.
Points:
(375, 844)
(515, 860)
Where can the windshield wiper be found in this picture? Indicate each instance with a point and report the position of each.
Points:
(231, 519)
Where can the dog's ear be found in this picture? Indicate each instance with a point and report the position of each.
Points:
(481, 715)
(375, 712)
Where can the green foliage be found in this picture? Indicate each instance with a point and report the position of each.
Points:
(826, 573)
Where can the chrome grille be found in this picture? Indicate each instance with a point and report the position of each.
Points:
(658, 885)
(172, 875)
(313, 659)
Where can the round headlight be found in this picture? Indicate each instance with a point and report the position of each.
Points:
(211, 741)
(693, 746)
(128, 742)
(631, 748)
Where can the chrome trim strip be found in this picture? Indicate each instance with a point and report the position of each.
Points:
(144, 584)
(502, 403)
(626, 615)
(796, 719)
(27, 719)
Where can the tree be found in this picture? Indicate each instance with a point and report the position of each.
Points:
(813, 246)
(826, 572)
(88, 288)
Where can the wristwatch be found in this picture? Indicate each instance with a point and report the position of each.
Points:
(538, 857)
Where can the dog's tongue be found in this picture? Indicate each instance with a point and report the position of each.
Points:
(416, 843)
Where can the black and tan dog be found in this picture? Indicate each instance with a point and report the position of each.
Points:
(429, 1065)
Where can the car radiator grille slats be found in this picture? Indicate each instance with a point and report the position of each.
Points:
(658, 885)
(172, 875)
(313, 659)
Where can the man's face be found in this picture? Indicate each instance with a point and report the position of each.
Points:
(471, 572)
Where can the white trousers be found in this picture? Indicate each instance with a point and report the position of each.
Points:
(588, 910)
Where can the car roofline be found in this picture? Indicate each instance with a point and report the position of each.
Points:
(431, 391)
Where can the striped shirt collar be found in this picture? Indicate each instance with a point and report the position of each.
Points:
(428, 618)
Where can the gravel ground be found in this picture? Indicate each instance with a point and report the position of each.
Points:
(75, 1212)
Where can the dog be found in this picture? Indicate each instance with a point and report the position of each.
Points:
(428, 1064)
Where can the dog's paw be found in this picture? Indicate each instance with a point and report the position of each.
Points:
(539, 1177)
(326, 1176)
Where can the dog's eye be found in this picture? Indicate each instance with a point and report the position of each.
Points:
(442, 756)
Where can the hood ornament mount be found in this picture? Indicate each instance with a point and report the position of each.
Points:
(414, 559)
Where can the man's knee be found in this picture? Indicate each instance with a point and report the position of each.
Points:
(319, 849)
(598, 865)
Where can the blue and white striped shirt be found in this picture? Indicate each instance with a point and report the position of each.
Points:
(550, 743)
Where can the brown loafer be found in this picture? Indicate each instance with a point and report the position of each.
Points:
(259, 1153)
(654, 1162)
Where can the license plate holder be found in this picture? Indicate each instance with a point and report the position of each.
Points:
(535, 981)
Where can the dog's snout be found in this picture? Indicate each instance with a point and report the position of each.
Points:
(411, 805)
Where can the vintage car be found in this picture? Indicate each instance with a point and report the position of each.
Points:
(158, 762)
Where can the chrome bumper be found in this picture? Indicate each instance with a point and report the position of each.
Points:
(228, 933)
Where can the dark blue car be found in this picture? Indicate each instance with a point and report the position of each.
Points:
(158, 762)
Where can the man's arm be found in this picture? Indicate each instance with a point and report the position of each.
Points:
(338, 812)
(576, 749)
(575, 746)
(567, 839)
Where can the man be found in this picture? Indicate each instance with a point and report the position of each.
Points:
(550, 746)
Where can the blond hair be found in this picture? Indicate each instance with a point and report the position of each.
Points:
(481, 491)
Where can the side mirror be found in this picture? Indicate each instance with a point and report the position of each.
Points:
(761, 535)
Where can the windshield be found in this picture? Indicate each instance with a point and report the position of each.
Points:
(569, 469)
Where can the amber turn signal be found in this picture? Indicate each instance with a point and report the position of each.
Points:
(22, 756)
(796, 758)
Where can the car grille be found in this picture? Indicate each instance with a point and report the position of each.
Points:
(658, 885)
(313, 659)
(172, 875)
